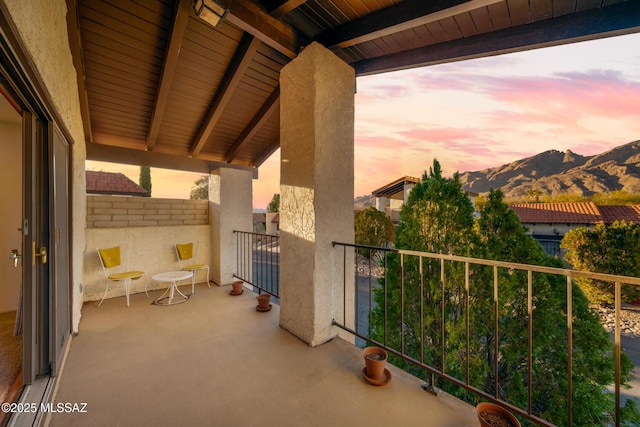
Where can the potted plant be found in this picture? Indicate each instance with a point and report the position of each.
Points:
(263, 302)
(492, 415)
(238, 287)
(375, 359)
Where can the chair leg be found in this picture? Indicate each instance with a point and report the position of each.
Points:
(127, 285)
(208, 284)
(193, 281)
(145, 286)
(105, 293)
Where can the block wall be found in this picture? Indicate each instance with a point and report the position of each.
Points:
(121, 211)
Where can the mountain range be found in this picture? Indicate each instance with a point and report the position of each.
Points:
(555, 172)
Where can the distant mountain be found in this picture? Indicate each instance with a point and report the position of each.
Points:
(554, 172)
(363, 202)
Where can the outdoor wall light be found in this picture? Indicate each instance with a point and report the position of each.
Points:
(210, 11)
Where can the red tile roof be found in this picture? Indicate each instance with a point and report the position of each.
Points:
(574, 213)
(113, 183)
(621, 213)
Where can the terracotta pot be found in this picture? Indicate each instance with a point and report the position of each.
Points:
(492, 415)
(237, 287)
(263, 301)
(375, 360)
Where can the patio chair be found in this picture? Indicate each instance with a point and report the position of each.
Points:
(186, 259)
(114, 271)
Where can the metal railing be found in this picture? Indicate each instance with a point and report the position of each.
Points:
(397, 296)
(258, 261)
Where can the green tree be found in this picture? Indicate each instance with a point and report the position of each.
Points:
(274, 204)
(145, 178)
(504, 238)
(373, 228)
(609, 249)
(439, 218)
(200, 189)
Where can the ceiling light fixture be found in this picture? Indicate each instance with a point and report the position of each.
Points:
(210, 11)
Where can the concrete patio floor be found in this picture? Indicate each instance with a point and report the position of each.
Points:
(215, 361)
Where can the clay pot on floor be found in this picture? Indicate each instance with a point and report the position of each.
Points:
(237, 287)
(492, 415)
(375, 360)
(263, 302)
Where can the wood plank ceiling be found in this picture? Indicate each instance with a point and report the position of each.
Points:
(160, 87)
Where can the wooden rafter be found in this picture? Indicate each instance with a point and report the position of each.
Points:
(267, 153)
(403, 16)
(250, 17)
(268, 108)
(168, 71)
(287, 7)
(242, 58)
(75, 45)
(618, 19)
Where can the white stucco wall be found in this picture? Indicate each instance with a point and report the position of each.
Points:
(149, 249)
(230, 208)
(316, 187)
(42, 27)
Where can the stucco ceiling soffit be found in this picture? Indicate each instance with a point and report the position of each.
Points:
(168, 70)
(618, 19)
(394, 19)
(240, 62)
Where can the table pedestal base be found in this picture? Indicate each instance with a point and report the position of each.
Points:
(169, 296)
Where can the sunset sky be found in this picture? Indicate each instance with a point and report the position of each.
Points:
(474, 115)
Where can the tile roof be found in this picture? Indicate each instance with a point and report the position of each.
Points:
(574, 213)
(113, 183)
(259, 217)
(621, 213)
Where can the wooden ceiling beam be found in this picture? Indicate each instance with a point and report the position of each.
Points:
(258, 161)
(268, 108)
(607, 21)
(75, 45)
(287, 7)
(111, 154)
(168, 71)
(403, 16)
(239, 63)
(250, 17)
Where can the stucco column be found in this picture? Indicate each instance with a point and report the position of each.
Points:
(316, 191)
(230, 208)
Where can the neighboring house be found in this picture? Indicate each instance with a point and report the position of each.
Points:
(273, 223)
(391, 197)
(259, 222)
(113, 184)
(549, 222)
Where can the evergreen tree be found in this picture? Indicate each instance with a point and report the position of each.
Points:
(373, 228)
(609, 249)
(200, 190)
(274, 204)
(438, 217)
(145, 178)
